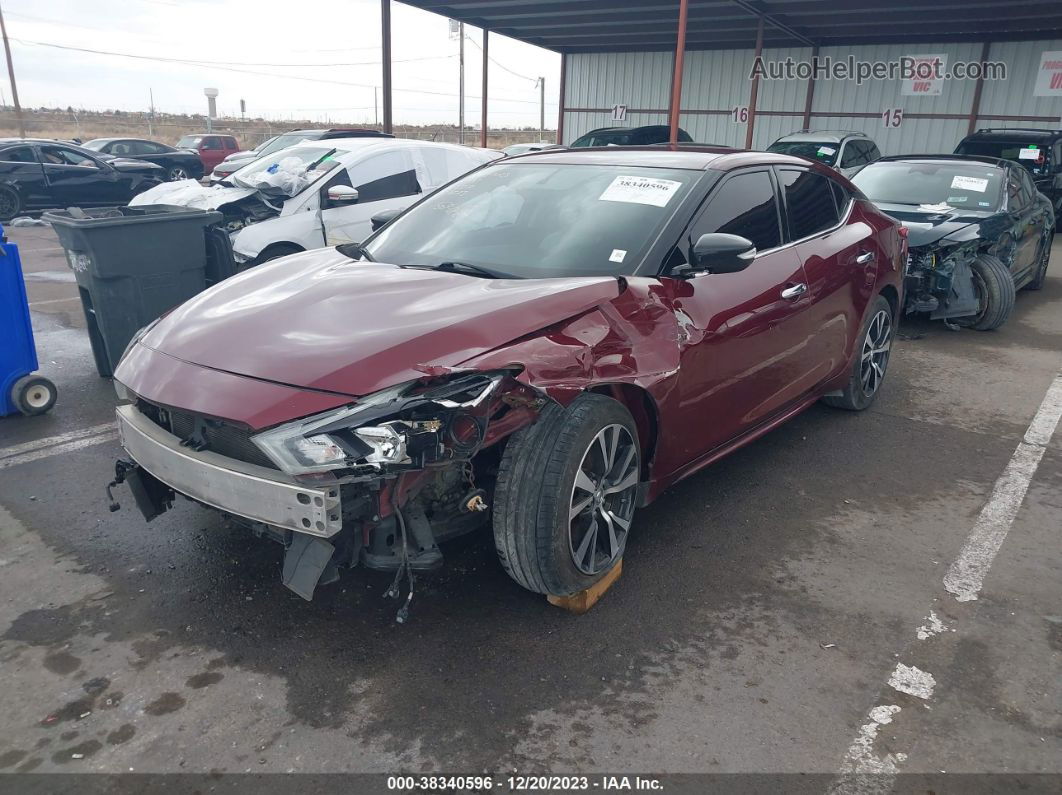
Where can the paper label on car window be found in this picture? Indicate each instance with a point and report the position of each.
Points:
(1028, 154)
(969, 183)
(640, 190)
(827, 150)
(617, 255)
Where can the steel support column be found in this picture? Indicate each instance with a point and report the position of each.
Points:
(560, 102)
(754, 92)
(676, 79)
(809, 97)
(385, 35)
(483, 100)
(975, 107)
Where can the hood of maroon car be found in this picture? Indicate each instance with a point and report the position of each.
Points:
(322, 321)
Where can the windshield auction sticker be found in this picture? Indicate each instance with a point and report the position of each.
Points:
(969, 183)
(640, 190)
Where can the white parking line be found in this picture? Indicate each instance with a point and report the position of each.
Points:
(862, 770)
(66, 447)
(966, 575)
(54, 301)
(51, 441)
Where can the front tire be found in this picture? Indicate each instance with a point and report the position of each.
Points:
(870, 361)
(565, 495)
(10, 203)
(276, 251)
(177, 173)
(995, 294)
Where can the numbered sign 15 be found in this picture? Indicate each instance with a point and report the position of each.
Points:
(892, 117)
(739, 114)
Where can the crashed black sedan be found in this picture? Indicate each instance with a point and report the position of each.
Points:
(978, 231)
(38, 174)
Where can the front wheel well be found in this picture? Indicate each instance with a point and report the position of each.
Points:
(646, 416)
(275, 250)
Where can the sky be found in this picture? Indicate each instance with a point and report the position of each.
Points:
(317, 60)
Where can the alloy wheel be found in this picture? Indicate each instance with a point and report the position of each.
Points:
(603, 500)
(177, 173)
(875, 356)
(8, 204)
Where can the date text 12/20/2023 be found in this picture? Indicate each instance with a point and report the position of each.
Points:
(515, 783)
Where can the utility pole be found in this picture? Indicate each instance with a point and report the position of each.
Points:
(460, 83)
(542, 109)
(151, 112)
(11, 74)
(375, 106)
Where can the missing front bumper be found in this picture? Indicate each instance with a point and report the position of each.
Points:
(229, 485)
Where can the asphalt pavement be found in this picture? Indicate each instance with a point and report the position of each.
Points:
(784, 611)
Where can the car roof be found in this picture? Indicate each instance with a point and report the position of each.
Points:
(623, 129)
(945, 159)
(832, 136)
(370, 142)
(1013, 133)
(9, 141)
(700, 158)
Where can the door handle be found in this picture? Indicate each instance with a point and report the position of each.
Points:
(865, 258)
(795, 291)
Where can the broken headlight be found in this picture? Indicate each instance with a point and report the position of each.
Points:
(397, 426)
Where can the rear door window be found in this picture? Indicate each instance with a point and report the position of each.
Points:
(744, 205)
(385, 176)
(18, 154)
(809, 203)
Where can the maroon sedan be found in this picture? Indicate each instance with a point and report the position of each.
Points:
(548, 342)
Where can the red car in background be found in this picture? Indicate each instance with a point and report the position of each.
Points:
(548, 342)
(212, 148)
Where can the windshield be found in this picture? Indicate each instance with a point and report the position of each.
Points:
(1034, 157)
(823, 152)
(287, 172)
(189, 141)
(605, 139)
(95, 145)
(973, 186)
(539, 220)
(283, 142)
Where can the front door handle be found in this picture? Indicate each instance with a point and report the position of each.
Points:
(865, 258)
(795, 291)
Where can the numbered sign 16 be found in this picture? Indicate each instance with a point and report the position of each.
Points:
(892, 117)
(739, 114)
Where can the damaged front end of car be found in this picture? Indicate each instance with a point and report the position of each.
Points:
(377, 483)
(939, 279)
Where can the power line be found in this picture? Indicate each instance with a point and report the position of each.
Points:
(209, 65)
(499, 64)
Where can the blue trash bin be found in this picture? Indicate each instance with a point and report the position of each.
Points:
(20, 390)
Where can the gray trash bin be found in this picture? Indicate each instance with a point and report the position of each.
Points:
(132, 264)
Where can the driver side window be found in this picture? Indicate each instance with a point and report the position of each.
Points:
(1016, 199)
(59, 156)
(744, 205)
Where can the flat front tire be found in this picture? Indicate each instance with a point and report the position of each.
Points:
(870, 360)
(995, 294)
(565, 496)
(1044, 260)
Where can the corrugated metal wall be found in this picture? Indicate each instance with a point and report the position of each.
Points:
(716, 81)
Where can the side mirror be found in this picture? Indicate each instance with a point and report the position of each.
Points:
(721, 253)
(342, 194)
(383, 218)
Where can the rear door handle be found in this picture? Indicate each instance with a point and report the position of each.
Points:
(865, 258)
(797, 290)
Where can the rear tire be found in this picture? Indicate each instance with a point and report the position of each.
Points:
(562, 505)
(995, 292)
(177, 173)
(870, 360)
(34, 394)
(1045, 258)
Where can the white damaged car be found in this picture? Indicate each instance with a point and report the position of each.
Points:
(320, 193)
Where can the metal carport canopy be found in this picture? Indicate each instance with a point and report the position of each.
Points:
(570, 26)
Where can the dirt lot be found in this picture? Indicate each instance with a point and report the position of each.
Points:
(782, 612)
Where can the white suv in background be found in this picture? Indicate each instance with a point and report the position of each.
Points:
(846, 151)
(321, 193)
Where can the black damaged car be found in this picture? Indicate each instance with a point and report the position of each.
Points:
(40, 174)
(978, 231)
